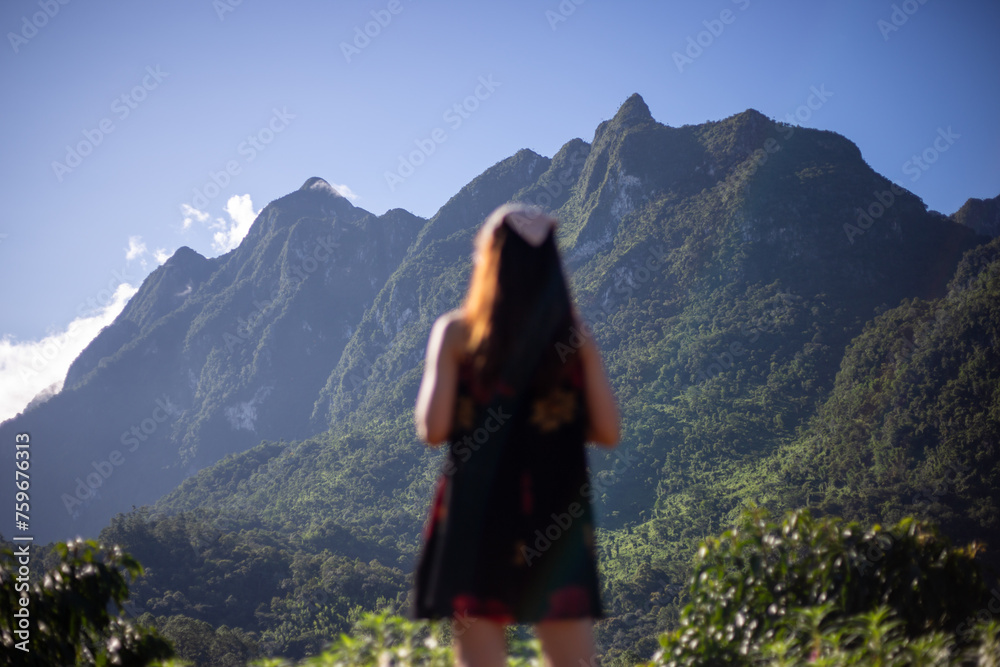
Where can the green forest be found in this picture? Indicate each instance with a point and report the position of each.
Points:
(810, 457)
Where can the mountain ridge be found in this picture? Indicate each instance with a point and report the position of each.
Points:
(980, 215)
(201, 336)
(745, 326)
(713, 262)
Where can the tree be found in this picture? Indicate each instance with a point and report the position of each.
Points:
(74, 612)
(808, 588)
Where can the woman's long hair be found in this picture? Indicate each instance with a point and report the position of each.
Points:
(518, 308)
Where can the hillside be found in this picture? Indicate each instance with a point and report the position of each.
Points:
(980, 215)
(210, 357)
(767, 342)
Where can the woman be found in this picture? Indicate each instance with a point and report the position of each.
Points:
(516, 388)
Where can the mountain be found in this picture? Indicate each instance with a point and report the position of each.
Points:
(912, 424)
(980, 215)
(209, 357)
(745, 279)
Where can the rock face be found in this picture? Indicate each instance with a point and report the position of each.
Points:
(980, 215)
(209, 358)
(320, 317)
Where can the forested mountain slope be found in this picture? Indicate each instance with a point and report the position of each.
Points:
(209, 357)
(751, 284)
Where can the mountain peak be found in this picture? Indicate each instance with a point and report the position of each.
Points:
(184, 256)
(980, 215)
(633, 111)
(750, 120)
(754, 115)
(317, 183)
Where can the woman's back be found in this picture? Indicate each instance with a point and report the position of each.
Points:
(511, 532)
(516, 385)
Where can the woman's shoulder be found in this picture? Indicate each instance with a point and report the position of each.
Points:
(452, 317)
(452, 330)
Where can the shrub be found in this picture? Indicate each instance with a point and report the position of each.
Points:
(811, 589)
(75, 611)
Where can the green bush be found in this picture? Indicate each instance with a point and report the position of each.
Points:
(75, 611)
(827, 592)
(385, 639)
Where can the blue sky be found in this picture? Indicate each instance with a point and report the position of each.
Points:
(117, 115)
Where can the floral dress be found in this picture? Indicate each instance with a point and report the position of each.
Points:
(510, 535)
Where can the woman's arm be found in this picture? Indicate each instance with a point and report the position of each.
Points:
(602, 407)
(436, 399)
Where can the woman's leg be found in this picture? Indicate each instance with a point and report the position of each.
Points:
(479, 642)
(568, 643)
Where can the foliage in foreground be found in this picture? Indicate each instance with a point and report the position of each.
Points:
(822, 591)
(809, 636)
(75, 611)
(384, 639)
(805, 591)
(802, 591)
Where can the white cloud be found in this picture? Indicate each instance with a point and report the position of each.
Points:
(345, 192)
(226, 234)
(241, 216)
(161, 255)
(191, 215)
(342, 190)
(30, 367)
(136, 248)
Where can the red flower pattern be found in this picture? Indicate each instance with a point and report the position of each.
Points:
(569, 602)
(577, 597)
(490, 608)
